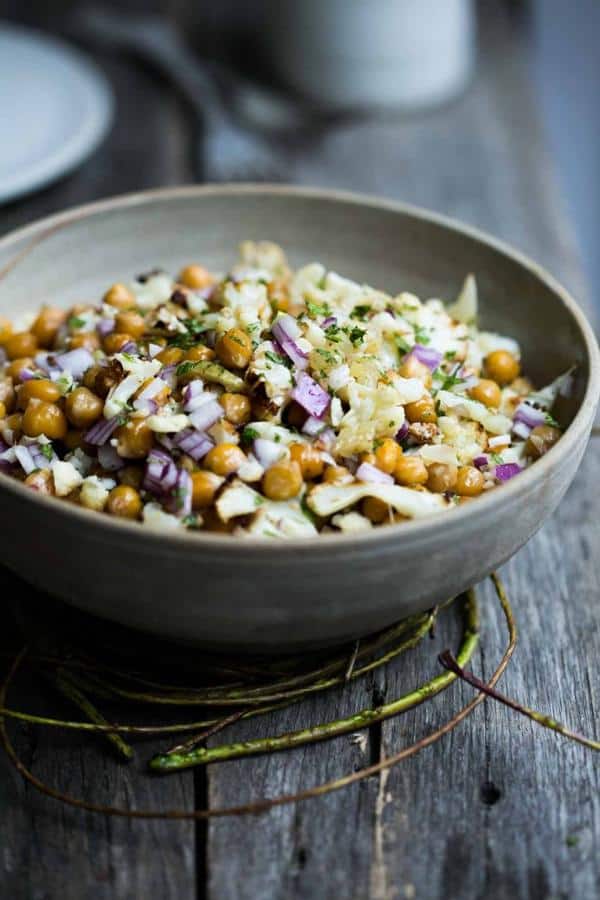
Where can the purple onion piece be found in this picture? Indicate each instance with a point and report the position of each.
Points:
(179, 500)
(507, 470)
(529, 415)
(169, 375)
(330, 320)
(76, 362)
(311, 396)
(99, 433)
(146, 406)
(25, 459)
(109, 459)
(267, 452)
(285, 331)
(521, 430)
(130, 347)
(480, 462)
(367, 472)
(427, 356)
(402, 434)
(194, 443)
(207, 415)
(105, 326)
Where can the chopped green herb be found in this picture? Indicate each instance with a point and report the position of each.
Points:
(356, 335)
(327, 355)
(258, 500)
(360, 312)
(421, 336)
(322, 281)
(571, 840)
(47, 451)
(334, 333)
(449, 354)
(249, 434)
(185, 368)
(191, 522)
(75, 322)
(496, 458)
(550, 420)
(276, 358)
(449, 380)
(316, 309)
(402, 345)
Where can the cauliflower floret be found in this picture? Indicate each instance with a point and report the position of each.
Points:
(94, 492)
(495, 423)
(237, 500)
(464, 308)
(467, 438)
(66, 477)
(326, 499)
(155, 290)
(352, 523)
(268, 367)
(375, 412)
(154, 516)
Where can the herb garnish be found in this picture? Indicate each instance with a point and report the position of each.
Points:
(422, 337)
(47, 451)
(75, 322)
(249, 434)
(360, 312)
(316, 309)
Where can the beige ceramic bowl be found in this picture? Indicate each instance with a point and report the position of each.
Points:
(257, 594)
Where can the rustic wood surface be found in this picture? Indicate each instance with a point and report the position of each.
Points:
(500, 808)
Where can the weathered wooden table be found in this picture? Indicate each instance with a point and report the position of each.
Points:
(500, 808)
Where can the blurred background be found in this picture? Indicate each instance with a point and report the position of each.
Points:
(484, 110)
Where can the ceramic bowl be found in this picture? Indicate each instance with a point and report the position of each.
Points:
(258, 595)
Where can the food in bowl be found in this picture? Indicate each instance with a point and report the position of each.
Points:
(266, 402)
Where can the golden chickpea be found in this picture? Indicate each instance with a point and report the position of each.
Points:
(88, 340)
(132, 476)
(134, 439)
(106, 378)
(7, 394)
(368, 458)
(411, 367)
(20, 344)
(124, 502)
(442, 477)
(198, 353)
(44, 418)
(82, 407)
(282, 481)
(237, 408)
(309, 459)
(195, 277)
(541, 439)
(45, 327)
(204, 487)
(410, 470)
(39, 389)
(6, 329)
(469, 482)
(337, 475)
(224, 459)
(487, 392)
(120, 297)
(130, 323)
(170, 356)
(115, 341)
(73, 439)
(422, 410)
(387, 455)
(2, 410)
(41, 481)
(14, 422)
(234, 348)
(375, 510)
(89, 376)
(502, 366)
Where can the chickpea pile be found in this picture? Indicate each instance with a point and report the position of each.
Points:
(181, 401)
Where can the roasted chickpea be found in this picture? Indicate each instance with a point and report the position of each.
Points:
(40, 389)
(115, 341)
(422, 410)
(2, 410)
(309, 459)
(14, 423)
(131, 476)
(7, 394)
(106, 378)
(130, 323)
(44, 418)
(14, 369)
(541, 439)
(82, 407)
(368, 458)
(469, 482)
(282, 481)
(234, 348)
(45, 327)
(224, 459)
(88, 340)
(375, 510)
(120, 297)
(387, 455)
(502, 366)
(487, 392)
(198, 353)
(204, 487)
(89, 376)
(134, 439)
(410, 470)
(73, 439)
(20, 344)
(6, 329)
(124, 502)
(195, 277)
(442, 477)
(170, 356)
(237, 408)
(411, 367)
(41, 481)
(337, 475)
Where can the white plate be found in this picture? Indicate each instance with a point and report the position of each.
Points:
(55, 108)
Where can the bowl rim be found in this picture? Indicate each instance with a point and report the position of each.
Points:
(412, 531)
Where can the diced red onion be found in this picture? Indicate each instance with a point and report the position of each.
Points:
(169, 374)
(267, 452)
(499, 440)
(194, 443)
(480, 462)
(99, 433)
(76, 362)
(313, 426)
(426, 355)
(179, 501)
(147, 407)
(206, 415)
(402, 433)
(285, 331)
(42, 361)
(152, 389)
(520, 429)
(529, 415)
(326, 439)
(507, 470)
(330, 320)
(109, 459)
(161, 472)
(210, 337)
(154, 350)
(26, 374)
(367, 472)
(23, 455)
(311, 396)
(339, 377)
(130, 347)
(40, 458)
(105, 326)
(193, 389)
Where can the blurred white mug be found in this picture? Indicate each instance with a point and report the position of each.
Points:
(401, 54)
